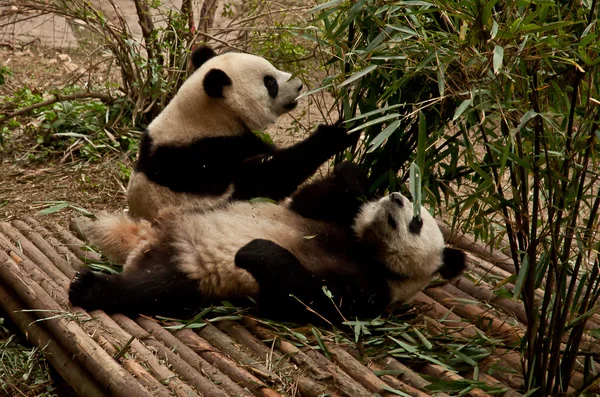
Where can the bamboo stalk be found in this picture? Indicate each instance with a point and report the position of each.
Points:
(494, 325)
(296, 355)
(438, 372)
(179, 365)
(307, 386)
(145, 356)
(357, 371)
(342, 381)
(197, 362)
(69, 333)
(44, 248)
(406, 375)
(226, 345)
(61, 360)
(59, 247)
(216, 358)
(398, 384)
(50, 286)
(32, 253)
(469, 244)
(74, 245)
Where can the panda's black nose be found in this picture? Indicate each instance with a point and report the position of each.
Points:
(397, 199)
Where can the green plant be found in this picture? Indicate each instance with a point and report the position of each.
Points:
(496, 101)
(24, 370)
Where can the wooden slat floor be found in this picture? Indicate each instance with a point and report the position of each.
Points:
(102, 355)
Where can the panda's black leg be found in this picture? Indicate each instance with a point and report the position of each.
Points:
(336, 198)
(279, 275)
(279, 174)
(155, 290)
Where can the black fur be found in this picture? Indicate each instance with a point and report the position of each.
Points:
(202, 54)
(207, 166)
(272, 86)
(214, 82)
(336, 198)
(455, 263)
(158, 289)
(277, 175)
(287, 288)
(415, 225)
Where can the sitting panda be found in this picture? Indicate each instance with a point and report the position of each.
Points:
(195, 152)
(188, 259)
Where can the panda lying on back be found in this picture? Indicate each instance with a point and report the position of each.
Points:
(186, 260)
(194, 152)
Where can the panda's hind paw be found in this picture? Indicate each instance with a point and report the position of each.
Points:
(86, 290)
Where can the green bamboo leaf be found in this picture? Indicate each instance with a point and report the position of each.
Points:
(461, 108)
(494, 31)
(383, 135)
(378, 120)
(324, 6)
(498, 58)
(358, 75)
(54, 208)
(441, 80)
(521, 277)
(319, 89)
(376, 111)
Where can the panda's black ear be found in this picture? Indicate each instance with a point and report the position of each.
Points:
(214, 81)
(201, 55)
(455, 262)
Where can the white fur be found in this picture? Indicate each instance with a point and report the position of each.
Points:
(192, 115)
(415, 255)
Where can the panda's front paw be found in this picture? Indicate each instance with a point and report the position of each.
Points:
(336, 136)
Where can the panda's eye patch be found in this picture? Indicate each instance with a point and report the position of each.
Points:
(272, 86)
(392, 222)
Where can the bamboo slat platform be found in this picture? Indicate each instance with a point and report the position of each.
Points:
(101, 355)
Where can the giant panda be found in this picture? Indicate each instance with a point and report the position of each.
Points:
(271, 253)
(194, 152)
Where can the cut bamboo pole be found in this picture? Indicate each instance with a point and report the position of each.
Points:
(177, 364)
(32, 254)
(44, 248)
(226, 345)
(357, 371)
(296, 355)
(405, 374)
(61, 360)
(224, 364)
(163, 374)
(58, 246)
(75, 245)
(341, 381)
(192, 358)
(438, 372)
(308, 387)
(467, 243)
(69, 333)
(51, 287)
(484, 319)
